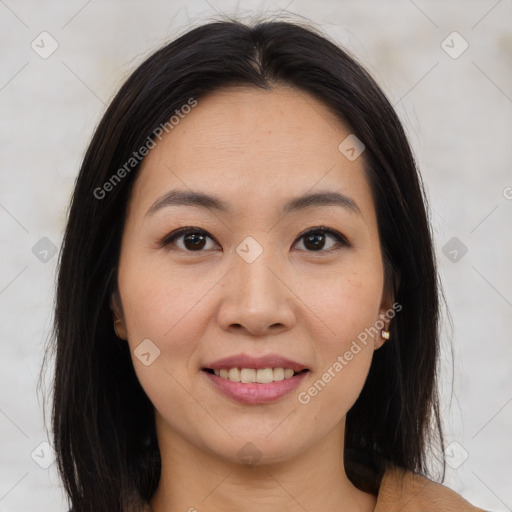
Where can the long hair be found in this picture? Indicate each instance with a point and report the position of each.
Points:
(103, 422)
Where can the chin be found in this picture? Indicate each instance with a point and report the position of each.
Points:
(252, 447)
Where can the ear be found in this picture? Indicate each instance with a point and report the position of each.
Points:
(388, 306)
(118, 315)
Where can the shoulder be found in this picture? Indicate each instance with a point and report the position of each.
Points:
(400, 488)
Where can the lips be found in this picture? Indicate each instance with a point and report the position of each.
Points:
(256, 363)
(255, 380)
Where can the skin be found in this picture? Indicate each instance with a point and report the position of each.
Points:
(254, 149)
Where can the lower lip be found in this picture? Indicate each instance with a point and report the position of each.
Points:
(254, 393)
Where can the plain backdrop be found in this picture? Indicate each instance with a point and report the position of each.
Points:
(447, 69)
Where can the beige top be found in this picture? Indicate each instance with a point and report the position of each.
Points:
(402, 491)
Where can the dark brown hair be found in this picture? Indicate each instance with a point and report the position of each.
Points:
(103, 423)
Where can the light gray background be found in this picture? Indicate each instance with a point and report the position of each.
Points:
(457, 112)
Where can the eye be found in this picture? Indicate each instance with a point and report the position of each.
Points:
(194, 239)
(315, 239)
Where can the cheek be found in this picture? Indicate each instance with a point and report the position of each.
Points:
(345, 356)
(168, 312)
(347, 313)
(347, 305)
(172, 308)
(160, 303)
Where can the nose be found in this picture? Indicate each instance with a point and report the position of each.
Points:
(256, 299)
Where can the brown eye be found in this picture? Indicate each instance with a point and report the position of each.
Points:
(318, 239)
(193, 239)
(315, 240)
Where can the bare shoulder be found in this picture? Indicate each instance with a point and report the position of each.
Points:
(400, 488)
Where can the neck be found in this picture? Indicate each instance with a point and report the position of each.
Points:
(193, 480)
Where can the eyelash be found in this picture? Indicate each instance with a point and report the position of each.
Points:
(341, 241)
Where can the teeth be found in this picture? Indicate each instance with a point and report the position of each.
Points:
(278, 374)
(265, 375)
(261, 376)
(234, 374)
(288, 372)
(247, 375)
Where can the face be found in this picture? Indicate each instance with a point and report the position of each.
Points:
(254, 277)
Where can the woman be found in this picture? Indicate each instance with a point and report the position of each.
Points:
(247, 303)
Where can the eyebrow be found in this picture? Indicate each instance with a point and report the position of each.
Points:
(207, 201)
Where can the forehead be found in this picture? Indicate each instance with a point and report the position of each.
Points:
(252, 146)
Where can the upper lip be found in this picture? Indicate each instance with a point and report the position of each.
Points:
(256, 362)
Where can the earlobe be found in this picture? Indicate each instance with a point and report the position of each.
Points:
(382, 337)
(119, 329)
(118, 316)
(387, 311)
(386, 315)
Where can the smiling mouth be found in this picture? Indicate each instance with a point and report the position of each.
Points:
(255, 376)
